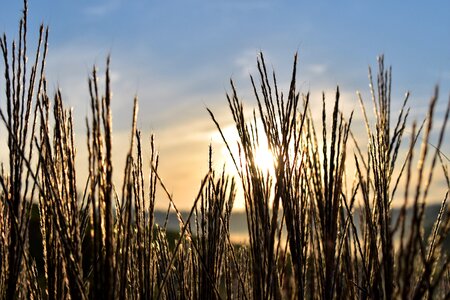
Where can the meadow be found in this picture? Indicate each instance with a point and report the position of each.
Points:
(317, 228)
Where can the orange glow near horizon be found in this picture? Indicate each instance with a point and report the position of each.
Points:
(263, 158)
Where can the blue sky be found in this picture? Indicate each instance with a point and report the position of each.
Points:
(178, 56)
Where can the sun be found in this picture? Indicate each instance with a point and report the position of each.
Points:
(264, 159)
(263, 156)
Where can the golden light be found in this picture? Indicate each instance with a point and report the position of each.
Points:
(263, 157)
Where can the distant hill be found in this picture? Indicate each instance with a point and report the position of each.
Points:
(238, 223)
(238, 227)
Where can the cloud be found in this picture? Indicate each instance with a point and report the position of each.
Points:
(317, 69)
(104, 8)
(245, 63)
(245, 4)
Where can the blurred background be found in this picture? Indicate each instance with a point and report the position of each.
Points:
(178, 57)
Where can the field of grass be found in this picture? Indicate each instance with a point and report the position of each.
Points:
(317, 229)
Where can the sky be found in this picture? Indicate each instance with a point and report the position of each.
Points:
(178, 58)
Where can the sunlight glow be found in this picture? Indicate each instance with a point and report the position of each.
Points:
(264, 159)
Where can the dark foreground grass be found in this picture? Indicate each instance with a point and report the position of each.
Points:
(316, 230)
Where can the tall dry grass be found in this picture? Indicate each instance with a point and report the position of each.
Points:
(315, 230)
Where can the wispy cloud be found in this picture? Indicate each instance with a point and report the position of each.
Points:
(245, 62)
(246, 4)
(104, 8)
(317, 69)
